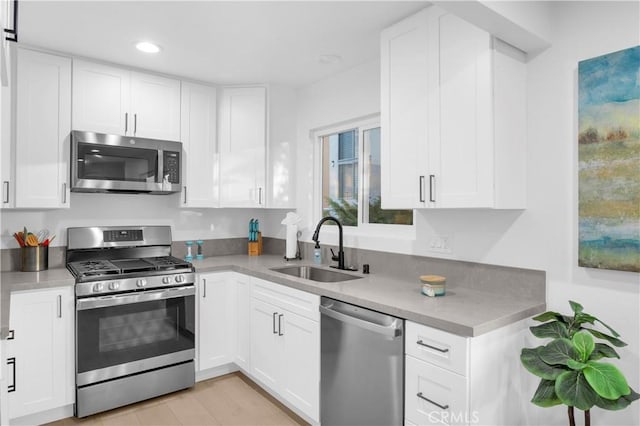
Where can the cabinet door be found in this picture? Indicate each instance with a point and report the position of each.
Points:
(43, 125)
(301, 363)
(406, 70)
(43, 351)
(198, 124)
(101, 98)
(243, 323)
(265, 343)
(435, 396)
(462, 160)
(216, 320)
(155, 104)
(7, 147)
(242, 147)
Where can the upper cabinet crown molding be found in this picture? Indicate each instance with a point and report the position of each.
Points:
(453, 116)
(523, 24)
(118, 101)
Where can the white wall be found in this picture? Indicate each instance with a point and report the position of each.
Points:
(544, 236)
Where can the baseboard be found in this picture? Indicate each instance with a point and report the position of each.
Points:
(216, 371)
(44, 416)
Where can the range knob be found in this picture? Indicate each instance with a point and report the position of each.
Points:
(98, 287)
(114, 285)
(141, 282)
(166, 280)
(179, 278)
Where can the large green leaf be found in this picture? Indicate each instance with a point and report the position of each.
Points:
(576, 365)
(614, 341)
(574, 391)
(545, 395)
(583, 344)
(606, 380)
(615, 333)
(547, 316)
(602, 350)
(531, 360)
(554, 330)
(617, 404)
(575, 307)
(558, 352)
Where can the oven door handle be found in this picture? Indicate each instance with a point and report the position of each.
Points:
(123, 299)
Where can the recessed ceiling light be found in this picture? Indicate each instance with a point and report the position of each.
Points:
(329, 59)
(146, 47)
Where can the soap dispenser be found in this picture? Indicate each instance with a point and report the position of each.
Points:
(317, 254)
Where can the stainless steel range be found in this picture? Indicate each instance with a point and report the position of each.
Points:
(135, 316)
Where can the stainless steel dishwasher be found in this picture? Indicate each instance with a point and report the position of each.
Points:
(361, 366)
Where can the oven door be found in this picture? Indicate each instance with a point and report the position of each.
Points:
(125, 334)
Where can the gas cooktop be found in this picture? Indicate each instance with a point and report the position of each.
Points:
(99, 268)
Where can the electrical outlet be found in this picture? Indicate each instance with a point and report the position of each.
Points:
(440, 243)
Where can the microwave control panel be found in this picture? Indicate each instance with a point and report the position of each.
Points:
(171, 166)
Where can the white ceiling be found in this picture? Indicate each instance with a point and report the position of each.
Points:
(221, 42)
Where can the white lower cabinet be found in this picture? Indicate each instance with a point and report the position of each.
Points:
(285, 344)
(40, 351)
(242, 342)
(454, 380)
(216, 320)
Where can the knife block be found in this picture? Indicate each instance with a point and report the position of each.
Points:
(255, 247)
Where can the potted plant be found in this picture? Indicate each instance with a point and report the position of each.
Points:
(570, 365)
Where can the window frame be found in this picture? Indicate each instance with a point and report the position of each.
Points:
(396, 231)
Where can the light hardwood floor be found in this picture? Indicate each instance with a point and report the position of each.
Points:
(232, 399)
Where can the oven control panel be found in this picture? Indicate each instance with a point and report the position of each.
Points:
(133, 284)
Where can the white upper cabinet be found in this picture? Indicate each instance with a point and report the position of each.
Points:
(242, 126)
(100, 98)
(200, 165)
(404, 96)
(118, 101)
(155, 103)
(453, 116)
(42, 120)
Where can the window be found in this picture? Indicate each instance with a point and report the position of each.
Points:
(351, 178)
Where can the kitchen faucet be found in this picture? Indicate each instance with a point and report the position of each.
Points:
(340, 256)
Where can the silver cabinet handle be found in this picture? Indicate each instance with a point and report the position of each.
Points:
(204, 288)
(260, 195)
(421, 343)
(280, 333)
(12, 362)
(432, 188)
(59, 306)
(274, 323)
(421, 189)
(126, 122)
(135, 124)
(64, 193)
(443, 407)
(185, 195)
(5, 189)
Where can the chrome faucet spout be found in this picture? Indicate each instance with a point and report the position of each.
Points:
(340, 257)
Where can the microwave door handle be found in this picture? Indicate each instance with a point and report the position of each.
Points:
(160, 177)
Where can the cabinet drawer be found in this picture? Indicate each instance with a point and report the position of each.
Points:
(434, 395)
(296, 301)
(438, 347)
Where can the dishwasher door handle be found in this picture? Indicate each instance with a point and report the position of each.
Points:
(392, 330)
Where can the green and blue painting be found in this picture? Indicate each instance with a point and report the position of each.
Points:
(609, 161)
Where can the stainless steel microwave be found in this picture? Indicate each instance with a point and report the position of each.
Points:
(112, 163)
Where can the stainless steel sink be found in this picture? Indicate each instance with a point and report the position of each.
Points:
(315, 274)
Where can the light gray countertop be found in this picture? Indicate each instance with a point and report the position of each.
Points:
(463, 311)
